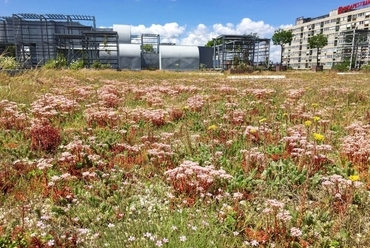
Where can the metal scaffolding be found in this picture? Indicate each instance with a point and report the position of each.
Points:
(149, 46)
(231, 51)
(39, 38)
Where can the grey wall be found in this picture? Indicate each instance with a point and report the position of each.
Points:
(206, 56)
(179, 57)
(150, 60)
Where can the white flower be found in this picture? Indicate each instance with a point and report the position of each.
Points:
(51, 242)
(254, 243)
(182, 238)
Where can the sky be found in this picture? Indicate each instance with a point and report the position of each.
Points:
(185, 22)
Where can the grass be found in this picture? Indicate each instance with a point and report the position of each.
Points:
(175, 159)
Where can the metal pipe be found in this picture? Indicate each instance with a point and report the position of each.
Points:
(353, 47)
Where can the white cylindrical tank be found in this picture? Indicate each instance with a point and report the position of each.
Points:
(124, 33)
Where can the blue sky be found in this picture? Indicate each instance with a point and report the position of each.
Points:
(187, 22)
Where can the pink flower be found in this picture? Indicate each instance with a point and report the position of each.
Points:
(295, 232)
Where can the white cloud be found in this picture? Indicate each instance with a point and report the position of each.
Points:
(200, 35)
(275, 53)
(169, 32)
(247, 26)
(286, 26)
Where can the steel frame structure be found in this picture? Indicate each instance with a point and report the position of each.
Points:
(233, 50)
(39, 38)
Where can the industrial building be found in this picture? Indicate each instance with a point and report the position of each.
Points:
(347, 29)
(35, 39)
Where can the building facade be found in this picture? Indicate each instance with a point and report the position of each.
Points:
(347, 30)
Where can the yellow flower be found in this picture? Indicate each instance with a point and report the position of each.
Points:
(315, 105)
(252, 130)
(354, 178)
(212, 127)
(316, 118)
(262, 120)
(318, 137)
(307, 123)
(185, 108)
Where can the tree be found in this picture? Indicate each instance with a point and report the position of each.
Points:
(318, 41)
(147, 48)
(211, 42)
(282, 37)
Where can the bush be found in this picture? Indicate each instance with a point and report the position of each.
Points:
(57, 63)
(98, 65)
(365, 68)
(76, 65)
(7, 63)
(344, 66)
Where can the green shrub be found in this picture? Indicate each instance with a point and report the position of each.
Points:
(57, 63)
(76, 65)
(365, 68)
(343, 66)
(7, 63)
(98, 65)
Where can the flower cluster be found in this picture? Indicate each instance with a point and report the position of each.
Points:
(260, 93)
(192, 179)
(157, 117)
(160, 154)
(340, 191)
(356, 145)
(196, 102)
(253, 158)
(11, 116)
(297, 146)
(44, 136)
(50, 106)
(101, 117)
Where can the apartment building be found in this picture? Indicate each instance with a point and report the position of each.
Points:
(347, 29)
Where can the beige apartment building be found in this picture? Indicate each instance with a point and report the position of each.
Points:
(347, 29)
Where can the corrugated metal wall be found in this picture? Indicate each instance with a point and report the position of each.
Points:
(179, 58)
